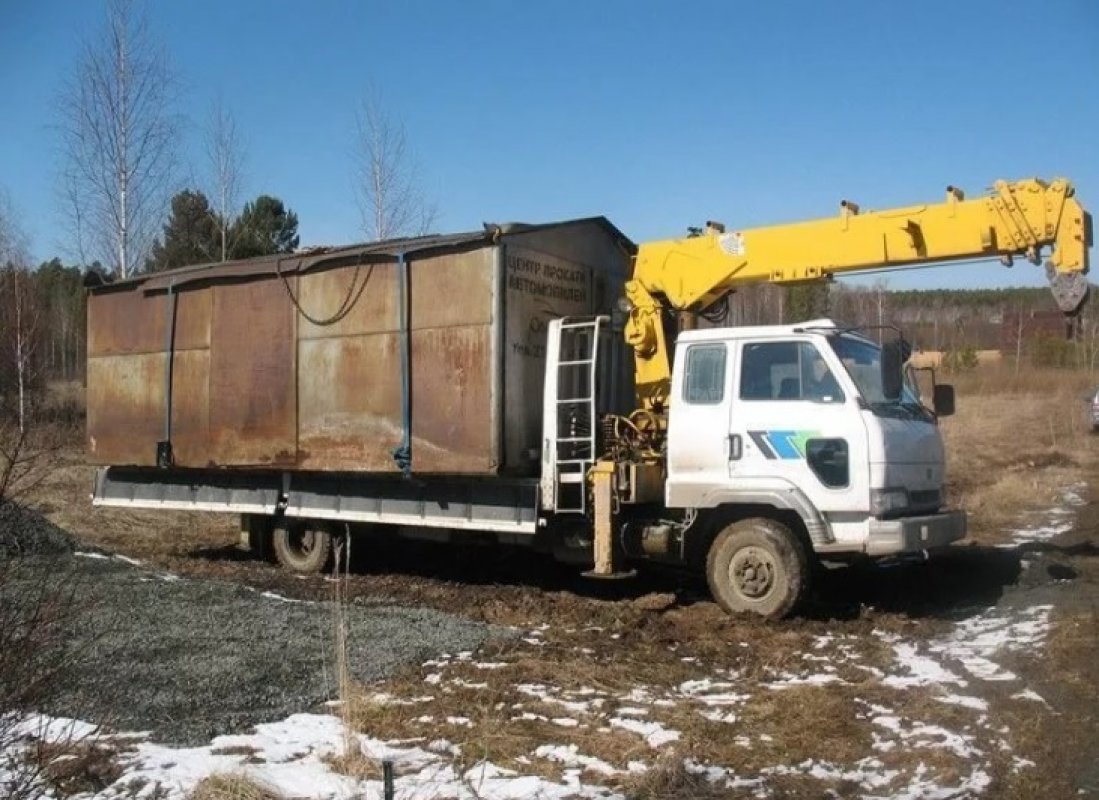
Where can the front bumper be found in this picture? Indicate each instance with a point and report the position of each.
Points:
(913, 534)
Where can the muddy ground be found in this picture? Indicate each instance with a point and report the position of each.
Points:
(847, 690)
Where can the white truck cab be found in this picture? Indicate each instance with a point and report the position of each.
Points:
(796, 417)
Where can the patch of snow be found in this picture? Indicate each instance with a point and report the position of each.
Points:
(279, 597)
(921, 787)
(87, 554)
(570, 756)
(1051, 523)
(653, 732)
(966, 701)
(974, 641)
(922, 670)
(53, 730)
(1018, 763)
(527, 716)
(868, 773)
(1029, 694)
(920, 734)
(576, 706)
(816, 679)
(710, 772)
(638, 694)
(714, 715)
(387, 699)
(469, 684)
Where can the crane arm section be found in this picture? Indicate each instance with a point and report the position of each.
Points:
(1016, 219)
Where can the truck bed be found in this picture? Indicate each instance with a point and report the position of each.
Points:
(502, 506)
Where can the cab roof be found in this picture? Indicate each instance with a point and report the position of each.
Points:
(758, 331)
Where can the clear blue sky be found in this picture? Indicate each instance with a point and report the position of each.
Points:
(658, 115)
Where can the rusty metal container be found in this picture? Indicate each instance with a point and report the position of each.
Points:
(306, 361)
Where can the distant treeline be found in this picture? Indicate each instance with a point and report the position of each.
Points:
(49, 301)
(42, 327)
(1036, 298)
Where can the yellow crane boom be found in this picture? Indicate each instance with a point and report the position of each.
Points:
(1016, 219)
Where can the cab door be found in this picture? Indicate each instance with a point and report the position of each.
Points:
(796, 421)
(698, 422)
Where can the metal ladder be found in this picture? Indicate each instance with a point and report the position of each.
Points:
(576, 423)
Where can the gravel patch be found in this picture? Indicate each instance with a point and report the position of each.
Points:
(26, 532)
(191, 659)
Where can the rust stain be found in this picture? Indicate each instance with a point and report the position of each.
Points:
(127, 322)
(253, 403)
(254, 383)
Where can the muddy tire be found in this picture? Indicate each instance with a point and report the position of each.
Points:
(758, 566)
(302, 546)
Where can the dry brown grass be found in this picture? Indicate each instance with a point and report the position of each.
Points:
(232, 786)
(1017, 441)
(482, 710)
(668, 779)
(78, 767)
(64, 402)
(64, 495)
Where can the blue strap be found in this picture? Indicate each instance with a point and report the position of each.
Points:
(402, 454)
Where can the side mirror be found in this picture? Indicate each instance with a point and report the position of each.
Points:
(893, 356)
(942, 399)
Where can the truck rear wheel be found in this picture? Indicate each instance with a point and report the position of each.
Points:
(302, 546)
(758, 566)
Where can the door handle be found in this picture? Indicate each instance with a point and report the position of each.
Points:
(735, 450)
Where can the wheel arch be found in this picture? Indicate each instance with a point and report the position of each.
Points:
(713, 521)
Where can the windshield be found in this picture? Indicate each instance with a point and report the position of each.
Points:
(862, 360)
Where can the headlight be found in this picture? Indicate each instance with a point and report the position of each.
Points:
(887, 501)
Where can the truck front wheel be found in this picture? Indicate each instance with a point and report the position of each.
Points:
(758, 566)
(302, 546)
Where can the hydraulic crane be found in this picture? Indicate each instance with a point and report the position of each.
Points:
(780, 444)
(1016, 219)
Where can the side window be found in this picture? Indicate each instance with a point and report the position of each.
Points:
(828, 458)
(786, 371)
(704, 382)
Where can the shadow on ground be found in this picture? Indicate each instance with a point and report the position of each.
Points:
(953, 584)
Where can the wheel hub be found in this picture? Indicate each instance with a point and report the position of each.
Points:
(752, 572)
(304, 542)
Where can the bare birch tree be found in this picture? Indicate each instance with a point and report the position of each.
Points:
(226, 159)
(387, 176)
(19, 313)
(19, 340)
(119, 137)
